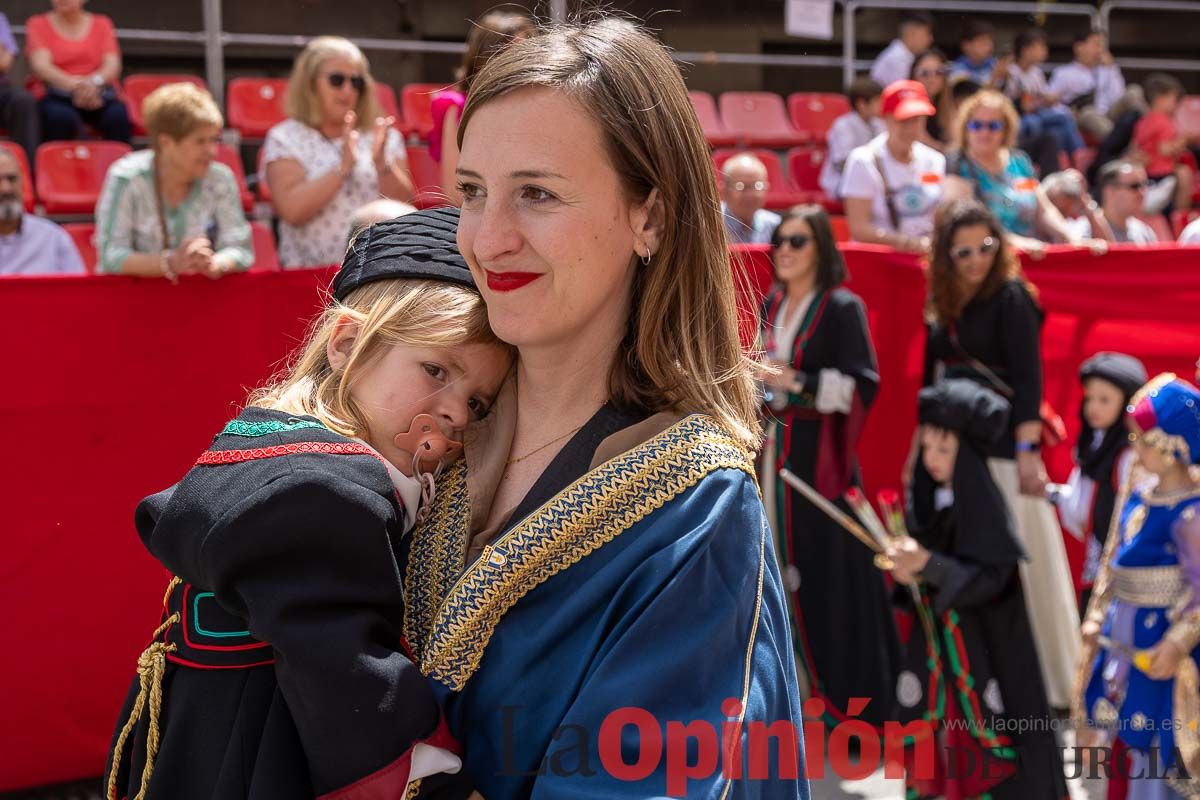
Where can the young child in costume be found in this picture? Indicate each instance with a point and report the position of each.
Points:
(1102, 455)
(1138, 682)
(971, 656)
(279, 669)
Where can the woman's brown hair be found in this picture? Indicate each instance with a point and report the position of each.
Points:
(490, 34)
(946, 297)
(681, 349)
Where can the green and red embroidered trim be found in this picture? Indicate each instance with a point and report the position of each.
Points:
(239, 427)
(1001, 746)
(239, 456)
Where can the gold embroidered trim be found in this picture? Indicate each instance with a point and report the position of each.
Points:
(762, 551)
(1185, 631)
(1172, 499)
(1149, 587)
(579, 520)
(437, 555)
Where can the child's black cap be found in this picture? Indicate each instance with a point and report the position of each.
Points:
(417, 245)
(972, 411)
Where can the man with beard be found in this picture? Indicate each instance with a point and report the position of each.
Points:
(30, 245)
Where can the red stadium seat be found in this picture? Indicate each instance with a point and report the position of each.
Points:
(264, 191)
(137, 87)
(70, 175)
(710, 120)
(415, 102)
(782, 194)
(266, 258)
(230, 157)
(841, 228)
(427, 178)
(1188, 116)
(813, 113)
(759, 119)
(254, 105)
(385, 96)
(84, 236)
(804, 166)
(26, 178)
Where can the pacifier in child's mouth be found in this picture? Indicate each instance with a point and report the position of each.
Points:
(431, 450)
(430, 447)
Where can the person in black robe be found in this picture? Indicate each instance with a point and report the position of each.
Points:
(279, 670)
(971, 657)
(1103, 456)
(984, 324)
(815, 334)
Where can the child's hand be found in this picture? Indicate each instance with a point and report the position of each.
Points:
(1089, 632)
(908, 557)
(1164, 660)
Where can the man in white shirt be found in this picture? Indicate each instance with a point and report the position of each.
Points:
(853, 129)
(893, 184)
(1122, 186)
(1093, 85)
(745, 189)
(896, 60)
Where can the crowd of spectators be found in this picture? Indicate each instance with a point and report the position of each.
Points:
(921, 130)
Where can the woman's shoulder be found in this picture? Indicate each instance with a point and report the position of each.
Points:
(1020, 165)
(138, 164)
(290, 129)
(101, 24)
(840, 297)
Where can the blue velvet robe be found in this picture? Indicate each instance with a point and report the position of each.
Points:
(649, 582)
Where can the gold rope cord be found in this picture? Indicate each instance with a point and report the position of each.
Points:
(151, 665)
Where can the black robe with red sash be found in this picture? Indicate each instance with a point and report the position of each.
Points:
(278, 671)
(843, 629)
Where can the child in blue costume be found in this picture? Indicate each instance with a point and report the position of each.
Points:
(1138, 681)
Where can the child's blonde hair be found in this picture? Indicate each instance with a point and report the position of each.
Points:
(413, 313)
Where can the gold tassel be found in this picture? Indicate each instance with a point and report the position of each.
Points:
(151, 666)
(1186, 702)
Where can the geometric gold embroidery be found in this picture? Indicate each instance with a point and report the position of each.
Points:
(450, 621)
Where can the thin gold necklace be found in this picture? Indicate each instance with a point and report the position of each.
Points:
(537, 450)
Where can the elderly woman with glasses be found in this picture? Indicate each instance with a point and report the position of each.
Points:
(334, 153)
(984, 324)
(825, 376)
(986, 164)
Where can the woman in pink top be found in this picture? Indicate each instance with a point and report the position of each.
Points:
(489, 34)
(74, 57)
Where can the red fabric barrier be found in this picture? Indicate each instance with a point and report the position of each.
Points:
(117, 384)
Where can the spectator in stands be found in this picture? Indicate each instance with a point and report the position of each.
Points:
(930, 68)
(332, 155)
(978, 45)
(853, 129)
(30, 245)
(18, 110)
(489, 34)
(1068, 192)
(1093, 85)
(896, 60)
(892, 185)
(1160, 145)
(173, 209)
(1191, 235)
(379, 210)
(1122, 186)
(1027, 88)
(745, 192)
(986, 163)
(75, 58)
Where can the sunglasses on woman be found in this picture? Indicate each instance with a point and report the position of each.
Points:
(338, 79)
(993, 125)
(796, 241)
(987, 247)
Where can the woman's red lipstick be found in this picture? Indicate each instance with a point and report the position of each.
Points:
(508, 281)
